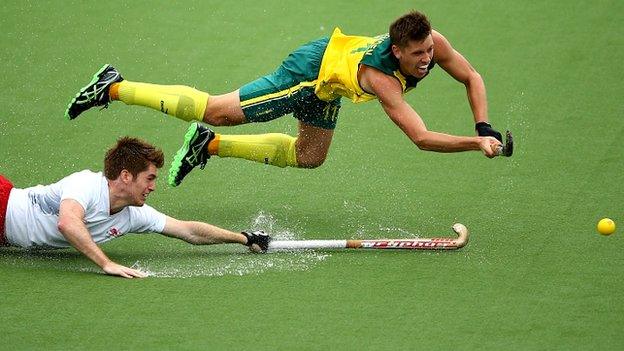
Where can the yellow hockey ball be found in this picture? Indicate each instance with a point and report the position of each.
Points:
(606, 226)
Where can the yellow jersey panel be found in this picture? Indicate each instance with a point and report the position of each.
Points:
(339, 67)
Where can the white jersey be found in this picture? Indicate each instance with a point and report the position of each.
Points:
(32, 213)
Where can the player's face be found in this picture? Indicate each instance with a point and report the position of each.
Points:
(415, 57)
(143, 184)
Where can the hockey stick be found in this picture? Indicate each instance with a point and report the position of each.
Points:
(406, 244)
(507, 149)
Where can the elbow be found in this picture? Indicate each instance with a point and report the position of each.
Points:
(63, 225)
(421, 137)
(194, 241)
(473, 79)
(421, 142)
(191, 233)
(190, 238)
(421, 145)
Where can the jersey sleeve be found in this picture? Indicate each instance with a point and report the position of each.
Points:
(146, 219)
(82, 187)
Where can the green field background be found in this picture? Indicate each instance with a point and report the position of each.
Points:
(535, 275)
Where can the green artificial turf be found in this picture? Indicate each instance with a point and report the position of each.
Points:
(534, 276)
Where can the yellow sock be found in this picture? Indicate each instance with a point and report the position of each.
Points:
(175, 100)
(273, 149)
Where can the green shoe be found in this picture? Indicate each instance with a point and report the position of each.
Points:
(193, 153)
(95, 93)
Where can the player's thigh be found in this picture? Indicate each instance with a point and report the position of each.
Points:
(224, 110)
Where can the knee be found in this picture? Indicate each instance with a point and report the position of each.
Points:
(310, 162)
(312, 165)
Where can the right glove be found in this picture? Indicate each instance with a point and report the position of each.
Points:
(259, 238)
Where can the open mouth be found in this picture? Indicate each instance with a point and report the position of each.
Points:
(423, 69)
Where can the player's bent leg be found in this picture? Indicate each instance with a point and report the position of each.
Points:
(308, 150)
(179, 101)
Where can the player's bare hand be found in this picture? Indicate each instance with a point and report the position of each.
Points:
(489, 146)
(113, 268)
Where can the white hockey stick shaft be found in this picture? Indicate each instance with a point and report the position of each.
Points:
(407, 244)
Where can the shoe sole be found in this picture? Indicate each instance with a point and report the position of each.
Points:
(179, 156)
(94, 80)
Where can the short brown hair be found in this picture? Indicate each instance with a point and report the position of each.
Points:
(133, 155)
(411, 26)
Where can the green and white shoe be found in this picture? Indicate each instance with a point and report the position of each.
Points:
(193, 153)
(95, 93)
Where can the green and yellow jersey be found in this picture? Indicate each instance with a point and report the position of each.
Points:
(338, 74)
(311, 81)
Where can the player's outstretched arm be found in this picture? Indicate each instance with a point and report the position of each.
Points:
(200, 233)
(71, 225)
(388, 91)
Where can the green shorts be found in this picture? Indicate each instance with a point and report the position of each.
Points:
(290, 89)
